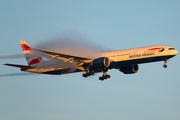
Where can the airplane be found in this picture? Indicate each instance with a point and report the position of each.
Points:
(126, 61)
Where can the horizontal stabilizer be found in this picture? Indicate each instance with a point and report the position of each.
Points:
(20, 66)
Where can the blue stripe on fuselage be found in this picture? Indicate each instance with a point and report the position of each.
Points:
(139, 61)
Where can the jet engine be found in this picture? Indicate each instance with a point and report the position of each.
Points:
(100, 63)
(130, 69)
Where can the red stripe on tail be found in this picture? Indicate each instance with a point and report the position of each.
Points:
(37, 60)
(26, 47)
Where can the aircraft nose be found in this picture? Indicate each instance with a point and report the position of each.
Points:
(175, 52)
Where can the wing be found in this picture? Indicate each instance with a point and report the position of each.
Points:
(65, 57)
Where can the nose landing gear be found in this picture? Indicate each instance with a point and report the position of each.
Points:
(165, 61)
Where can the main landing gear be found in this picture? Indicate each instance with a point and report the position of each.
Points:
(88, 74)
(105, 76)
(165, 61)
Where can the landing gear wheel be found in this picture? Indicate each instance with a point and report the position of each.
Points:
(101, 78)
(108, 76)
(165, 66)
(84, 75)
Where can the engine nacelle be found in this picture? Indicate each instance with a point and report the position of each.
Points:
(102, 62)
(129, 69)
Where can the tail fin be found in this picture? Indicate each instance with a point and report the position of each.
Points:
(30, 54)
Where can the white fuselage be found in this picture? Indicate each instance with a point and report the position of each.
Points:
(139, 53)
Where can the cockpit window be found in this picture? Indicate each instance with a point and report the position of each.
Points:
(171, 49)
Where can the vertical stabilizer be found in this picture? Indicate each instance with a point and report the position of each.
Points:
(30, 54)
